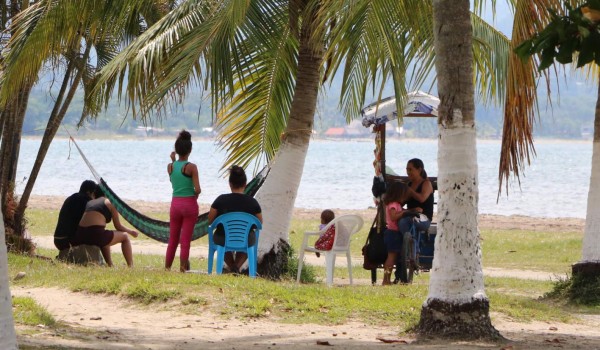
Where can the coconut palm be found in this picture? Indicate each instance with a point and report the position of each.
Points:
(264, 62)
(572, 33)
(456, 305)
(64, 33)
(12, 113)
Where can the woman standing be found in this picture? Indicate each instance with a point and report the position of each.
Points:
(184, 205)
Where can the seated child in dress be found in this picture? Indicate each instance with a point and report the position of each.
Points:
(325, 241)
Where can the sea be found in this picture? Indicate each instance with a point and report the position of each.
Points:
(338, 174)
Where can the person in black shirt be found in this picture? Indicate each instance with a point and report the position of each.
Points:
(421, 201)
(69, 216)
(230, 202)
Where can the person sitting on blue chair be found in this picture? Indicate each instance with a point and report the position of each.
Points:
(236, 201)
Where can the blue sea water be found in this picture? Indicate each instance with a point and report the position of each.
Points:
(337, 174)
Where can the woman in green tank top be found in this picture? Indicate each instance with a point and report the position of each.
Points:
(184, 205)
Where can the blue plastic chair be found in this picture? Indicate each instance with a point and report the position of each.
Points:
(237, 226)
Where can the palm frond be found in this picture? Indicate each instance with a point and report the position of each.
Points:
(491, 50)
(251, 124)
(521, 93)
(50, 28)
(375, 41)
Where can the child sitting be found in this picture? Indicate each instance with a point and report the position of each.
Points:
(325, 241)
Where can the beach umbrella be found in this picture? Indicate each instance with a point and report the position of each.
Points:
(419, 104)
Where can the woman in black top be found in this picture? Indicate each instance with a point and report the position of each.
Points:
(421, 197)
(92, 229)
(232, 202)
(420, 191)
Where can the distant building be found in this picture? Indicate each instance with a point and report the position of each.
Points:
(335, 132)
(353, 130)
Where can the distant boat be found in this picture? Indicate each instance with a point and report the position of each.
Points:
(147, 131)
(587, 132)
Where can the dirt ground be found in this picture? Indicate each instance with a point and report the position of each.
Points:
(120, 324)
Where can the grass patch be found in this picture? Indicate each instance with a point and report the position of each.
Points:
(27, 312)
(528, 250)
(580, 290)
(312, 302)
(287, 301)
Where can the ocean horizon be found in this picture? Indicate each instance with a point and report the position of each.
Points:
(338, 173)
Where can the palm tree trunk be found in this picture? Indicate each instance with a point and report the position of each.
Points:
(8, 335)
(590, 259)
(56, 117)
(278, 193)
(13, 117)
(456, 306)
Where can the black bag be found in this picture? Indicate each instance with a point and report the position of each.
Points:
(374, 250)
(378, 187)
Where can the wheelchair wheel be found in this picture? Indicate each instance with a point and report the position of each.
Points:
(407, 265)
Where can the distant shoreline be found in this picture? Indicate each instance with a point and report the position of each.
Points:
(129, 137)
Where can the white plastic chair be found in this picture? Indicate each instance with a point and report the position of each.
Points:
(345, 227)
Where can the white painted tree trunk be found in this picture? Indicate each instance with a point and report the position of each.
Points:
(278, 194)
(591, 239)
(456, 274)
(456, 306)
(8, 337)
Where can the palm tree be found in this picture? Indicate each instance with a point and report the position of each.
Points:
(263, 62)
(576, 34)
(456, 305)
(12, 115)
(65, 33)
(7, 325)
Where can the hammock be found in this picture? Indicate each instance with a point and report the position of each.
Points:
(156, 229)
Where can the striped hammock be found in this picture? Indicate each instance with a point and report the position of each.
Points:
(156, 229)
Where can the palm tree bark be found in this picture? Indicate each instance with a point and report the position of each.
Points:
(456, 306)
(61, 105)
(278, 194)
(13, 117)
(590, 259)
(8, 335)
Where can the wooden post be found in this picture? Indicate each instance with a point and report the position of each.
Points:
(380, 206)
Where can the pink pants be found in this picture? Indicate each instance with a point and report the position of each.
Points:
(184, 213)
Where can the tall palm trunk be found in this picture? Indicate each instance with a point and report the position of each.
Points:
(13, 117)
(278, 193)
(8, 337)
(456, 305)
(61, 105)
(590, 259)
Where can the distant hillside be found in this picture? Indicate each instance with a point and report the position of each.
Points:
(573, 111)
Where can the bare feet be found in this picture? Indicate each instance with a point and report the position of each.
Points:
(185, 266)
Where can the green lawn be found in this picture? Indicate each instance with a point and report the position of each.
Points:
(148, 283)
